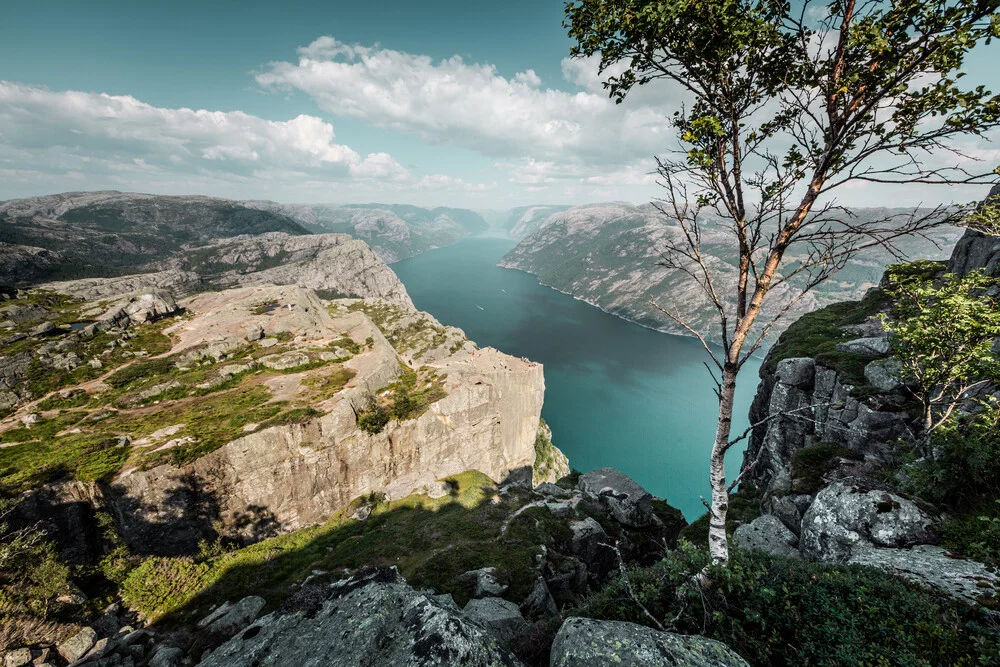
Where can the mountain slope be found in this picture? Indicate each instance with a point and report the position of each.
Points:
(114, 233)
(606, 254)
(394, 231)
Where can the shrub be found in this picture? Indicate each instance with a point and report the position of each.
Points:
(776, 611)
(373, 418)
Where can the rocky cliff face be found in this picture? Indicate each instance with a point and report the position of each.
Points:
(300, 474)
(334, 264)
(829, 426)
(308, 368)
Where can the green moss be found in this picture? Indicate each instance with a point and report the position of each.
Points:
(83, 456)
(810, 464)
(818, 332)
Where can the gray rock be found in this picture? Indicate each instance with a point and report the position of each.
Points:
(167, 656)
(557, 508)
(371, 619)
(502, 618)
(554, 490)
(797, 372)
(17, 658)
(44, 329)
(588, 540)
(767, 533)
(884, 374)
(282, 362)
(844, 519)
(539, 603)
(446, 601)
(930, 565)
(237, 617)
(519, 478)
(582, 642)
(151, 306)
(268, 342)
(482, 583)
(789, 510)
(255, 332)
(77, 646)
(876, 346)
(215, 614)
(630, 504)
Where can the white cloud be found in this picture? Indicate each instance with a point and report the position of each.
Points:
(473, 106)
(91, 126)
(70, 139)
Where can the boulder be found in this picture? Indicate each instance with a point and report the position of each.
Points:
(502, 618)
(884, 374)
(875, 346)
(789, 509)
(282, 362)
(19, 657)
(44, 329)
(553, 490)
(539, 603)
(583, 642)
(629, 503)
(588, 540)
(167, 656)
(150, 307)
(796, 372)
(254, 332)
(482, 583)
(767, 533)
(932, 566)
(374, 618)
(77, 646)
(844, 519)
(237, 617)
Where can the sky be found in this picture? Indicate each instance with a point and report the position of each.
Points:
(438, 102)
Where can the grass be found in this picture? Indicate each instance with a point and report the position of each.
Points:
(83, 456)
(431, 541)
(810, 464)
(405, 330)
(407, 398)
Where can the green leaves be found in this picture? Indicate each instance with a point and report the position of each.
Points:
(942, 330)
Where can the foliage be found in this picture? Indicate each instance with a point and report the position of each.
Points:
(431, 540)
(373, 417)
(975, 533)
(809, 464)
(943, 333)
(31, 576)
(83, 456)
(775, 611)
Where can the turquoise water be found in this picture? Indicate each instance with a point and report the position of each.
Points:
(616, 394)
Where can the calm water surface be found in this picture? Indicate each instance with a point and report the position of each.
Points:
(616, 394)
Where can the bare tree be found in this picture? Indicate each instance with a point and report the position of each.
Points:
(789, 107)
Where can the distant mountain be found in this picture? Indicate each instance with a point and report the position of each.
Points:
(394, 231)
(606, 255)
(87, 234)
(525, 220)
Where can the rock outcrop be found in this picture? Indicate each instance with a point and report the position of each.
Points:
(582, 642)
(372, 619)
(299, 474)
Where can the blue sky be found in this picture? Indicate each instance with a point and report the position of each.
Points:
(462, 103)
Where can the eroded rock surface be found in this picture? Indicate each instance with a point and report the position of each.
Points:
(583, 642)
(373, 619)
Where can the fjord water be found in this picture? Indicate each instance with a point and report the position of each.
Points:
(616, 394)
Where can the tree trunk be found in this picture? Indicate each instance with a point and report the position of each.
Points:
(718, 546)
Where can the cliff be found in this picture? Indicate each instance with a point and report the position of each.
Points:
(833, 460)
